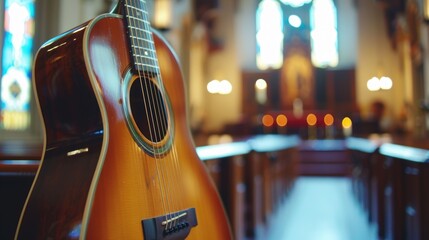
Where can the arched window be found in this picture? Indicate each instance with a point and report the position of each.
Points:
(16, 64)
(269, 35)
(324, 35)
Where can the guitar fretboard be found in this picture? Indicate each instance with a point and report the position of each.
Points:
(140, 34)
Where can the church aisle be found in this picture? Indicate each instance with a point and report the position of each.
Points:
(320, 208)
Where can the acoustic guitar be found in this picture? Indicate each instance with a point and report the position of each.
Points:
(118, 161)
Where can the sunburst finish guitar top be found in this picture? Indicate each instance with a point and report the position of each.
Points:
(118, 160)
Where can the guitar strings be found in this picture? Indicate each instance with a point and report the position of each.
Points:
(151, 62)
(174, 163)
(157, 112)
(172, 175)
(139, 55)
(148, 63)
(164, 124)
(134, 49)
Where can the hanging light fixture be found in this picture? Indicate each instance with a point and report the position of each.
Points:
(383, 83)
(379, 81)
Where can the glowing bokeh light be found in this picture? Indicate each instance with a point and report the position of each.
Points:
(328, 119)
(281, 120)
(386, 83)
(311, 119)
(268, 120)
(347, 122)
(261, 84)
(219, 87)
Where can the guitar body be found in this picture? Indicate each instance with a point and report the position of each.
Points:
(103, 172)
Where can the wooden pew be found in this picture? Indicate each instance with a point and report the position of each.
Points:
(253, 176)
(273, 167)
(16, 177)
(406, 198)
(363, 153)
(325, 157)
(19, 162)
(398, 177)
(225, 163)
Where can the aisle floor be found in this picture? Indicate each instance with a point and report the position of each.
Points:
(320, 208)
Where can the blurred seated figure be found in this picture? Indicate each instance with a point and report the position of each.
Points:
(375, 123)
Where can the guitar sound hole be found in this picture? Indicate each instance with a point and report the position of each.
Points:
(148, 109)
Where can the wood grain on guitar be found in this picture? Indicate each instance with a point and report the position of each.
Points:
(118, 159)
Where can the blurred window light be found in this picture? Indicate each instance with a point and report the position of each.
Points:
(295, 3)
(16, 63)
(324, 34)
(269, 35)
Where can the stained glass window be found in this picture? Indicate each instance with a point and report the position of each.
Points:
(269, 36)
(16, 62)
(324, 35)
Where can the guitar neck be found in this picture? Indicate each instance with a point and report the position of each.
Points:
(142, 46)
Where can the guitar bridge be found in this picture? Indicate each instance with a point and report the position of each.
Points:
(170, 227)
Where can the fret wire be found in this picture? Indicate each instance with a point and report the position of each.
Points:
(138, 58)
(151, 64)
(141, 38)
(139, 29)
(137, 25)
(147, 65)
(146, 37)
(143, 46)
(145, 56)
(136, 8)
(139, 19)
(147, 50)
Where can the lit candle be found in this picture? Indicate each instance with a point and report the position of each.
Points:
(347, 127)
(281, 121)
(329, 130)
(267, 122)
(261, 91)
(312, 130)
